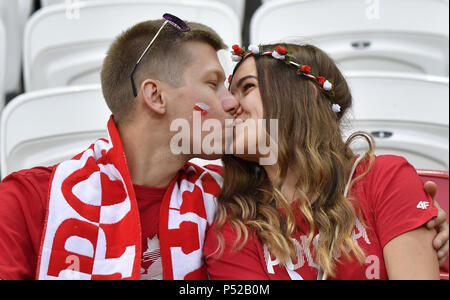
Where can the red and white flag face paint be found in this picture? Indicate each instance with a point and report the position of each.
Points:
(202, 107)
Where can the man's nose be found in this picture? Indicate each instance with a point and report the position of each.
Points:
(229, 104)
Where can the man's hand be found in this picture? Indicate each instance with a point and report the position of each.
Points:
(440, 242)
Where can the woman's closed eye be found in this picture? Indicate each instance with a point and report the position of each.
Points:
(247, 86)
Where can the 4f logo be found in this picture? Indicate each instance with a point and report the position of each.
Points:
(423, 205)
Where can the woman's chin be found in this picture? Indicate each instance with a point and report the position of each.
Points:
(240, 149)
(247, 157)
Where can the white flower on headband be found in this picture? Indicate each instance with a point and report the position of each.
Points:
(336, 108)
(327, 86)
(254, 49)
(277, 55)
(236, 58)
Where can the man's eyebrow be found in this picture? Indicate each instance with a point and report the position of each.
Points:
(239, 83)
(216, 72)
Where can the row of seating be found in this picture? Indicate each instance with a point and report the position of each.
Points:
(42, 42)
(238, 6)
(13, 16)
(55, 57)
(47, 126)
(398, 35)
(416, 41)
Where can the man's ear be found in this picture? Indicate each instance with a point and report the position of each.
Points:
(151, 94)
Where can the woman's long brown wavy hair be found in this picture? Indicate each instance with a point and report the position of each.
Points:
(310, 145)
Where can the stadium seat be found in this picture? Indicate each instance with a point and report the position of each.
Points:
(61, 51)
(14, 14)
(384, 35)
(237, 5)
(407, 114)
(53, 2)
(26, 8)
(45, 127)
(442, 196)
(2, 64)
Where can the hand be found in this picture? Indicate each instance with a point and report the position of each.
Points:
(440, 242)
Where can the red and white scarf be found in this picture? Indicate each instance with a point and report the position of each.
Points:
(92, 226)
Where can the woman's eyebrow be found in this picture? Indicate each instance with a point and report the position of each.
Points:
(239, 83)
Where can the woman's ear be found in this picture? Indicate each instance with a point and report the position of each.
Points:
(152, 96)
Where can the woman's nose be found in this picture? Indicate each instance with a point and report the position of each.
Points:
(230, 105)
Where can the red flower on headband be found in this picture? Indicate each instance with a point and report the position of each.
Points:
(306, 69)
(321, 79)
(281, 50)
(230, 78)
(237, 50)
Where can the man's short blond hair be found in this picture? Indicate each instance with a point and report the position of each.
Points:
(166, 60)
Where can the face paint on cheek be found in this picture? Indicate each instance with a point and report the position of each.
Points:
(202, 107)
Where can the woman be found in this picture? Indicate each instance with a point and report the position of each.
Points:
(319, 212)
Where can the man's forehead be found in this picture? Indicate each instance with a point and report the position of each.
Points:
(204, 61)
(200, 50)
(218, 71)
(207, 68)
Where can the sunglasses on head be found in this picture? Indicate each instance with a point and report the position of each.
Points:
(169, 19)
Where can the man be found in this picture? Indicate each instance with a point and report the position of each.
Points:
(128, 207)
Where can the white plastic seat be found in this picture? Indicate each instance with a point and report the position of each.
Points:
(14, 14)
(53, 2)
(45, 127)
(407, 113)
(384, 35)
(237, 5)
(61, 51)
(2, 64)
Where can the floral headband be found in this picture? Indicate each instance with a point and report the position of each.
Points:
(280, 53)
